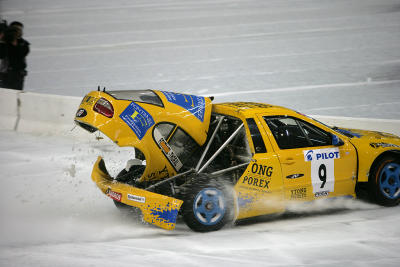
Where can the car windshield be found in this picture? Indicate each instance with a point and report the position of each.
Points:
(143, 96)
(336, 129)
(330, 127)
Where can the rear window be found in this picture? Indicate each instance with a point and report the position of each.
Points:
(143, 96)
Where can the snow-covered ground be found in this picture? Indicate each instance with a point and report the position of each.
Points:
(52, 214)
(321, 57)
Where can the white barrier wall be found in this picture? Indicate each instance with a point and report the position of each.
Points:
(8, 109)
(42, 113)
(54, 114)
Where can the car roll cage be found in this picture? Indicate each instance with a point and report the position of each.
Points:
(199, 169)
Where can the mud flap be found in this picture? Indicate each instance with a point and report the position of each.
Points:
(157, 209)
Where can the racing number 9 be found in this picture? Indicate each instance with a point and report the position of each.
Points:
(322, 174)
(322, 169)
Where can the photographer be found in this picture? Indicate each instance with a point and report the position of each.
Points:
(3, 62)
(16, 51)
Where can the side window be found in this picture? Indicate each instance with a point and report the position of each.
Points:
(292, 133)
(317, 136)
(287, 132)
(258, 142)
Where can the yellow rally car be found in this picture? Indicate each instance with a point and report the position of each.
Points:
(216, 163)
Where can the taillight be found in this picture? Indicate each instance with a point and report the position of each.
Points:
(104, 107)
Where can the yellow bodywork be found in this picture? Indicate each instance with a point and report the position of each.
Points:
(271, 180)
(177, 109)
(370, 145)
(156, 209)
(357, 155)
(119, 131)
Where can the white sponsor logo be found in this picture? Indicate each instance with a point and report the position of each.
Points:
(322, 169)
(136, 198)
(321, 154)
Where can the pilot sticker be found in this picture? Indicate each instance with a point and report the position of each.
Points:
(192, 103)
(322, 169)
(138, 119)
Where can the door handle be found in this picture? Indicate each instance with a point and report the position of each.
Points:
(288, 161)
(294, 176)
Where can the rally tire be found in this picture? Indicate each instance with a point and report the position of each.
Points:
(121, 206)
(384, 182)
(208, 204)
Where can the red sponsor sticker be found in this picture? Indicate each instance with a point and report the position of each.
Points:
(114, 195)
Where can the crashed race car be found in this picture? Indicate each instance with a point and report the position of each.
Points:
(217, 163)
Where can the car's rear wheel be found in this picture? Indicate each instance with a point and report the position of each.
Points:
(384, 182)
(208, 204)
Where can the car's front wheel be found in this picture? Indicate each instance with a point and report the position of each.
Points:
(384, 182)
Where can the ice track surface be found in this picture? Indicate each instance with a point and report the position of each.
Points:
(52, 214)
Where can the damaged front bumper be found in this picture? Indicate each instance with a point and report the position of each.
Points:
(157, 209)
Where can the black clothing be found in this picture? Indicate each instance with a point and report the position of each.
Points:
(16, 69)
(3, 63)
(2, 50)
(14, 80)
(17, 54)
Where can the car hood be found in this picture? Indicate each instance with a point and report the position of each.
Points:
(372, 138)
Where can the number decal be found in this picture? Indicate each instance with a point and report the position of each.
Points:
(322, 169)
(322, 174)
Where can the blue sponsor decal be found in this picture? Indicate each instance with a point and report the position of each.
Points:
(192, 103)
(330, 155)
(309, 155)
(244, 200)
(347, 132)
(168, 215)
(138, 119)
(321, 154)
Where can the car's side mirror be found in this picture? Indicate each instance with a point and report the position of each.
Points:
(336, 141)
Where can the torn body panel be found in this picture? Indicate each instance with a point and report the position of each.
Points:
(157, 209)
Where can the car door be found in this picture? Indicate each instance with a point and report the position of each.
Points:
(260, 188)
(311, 166)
